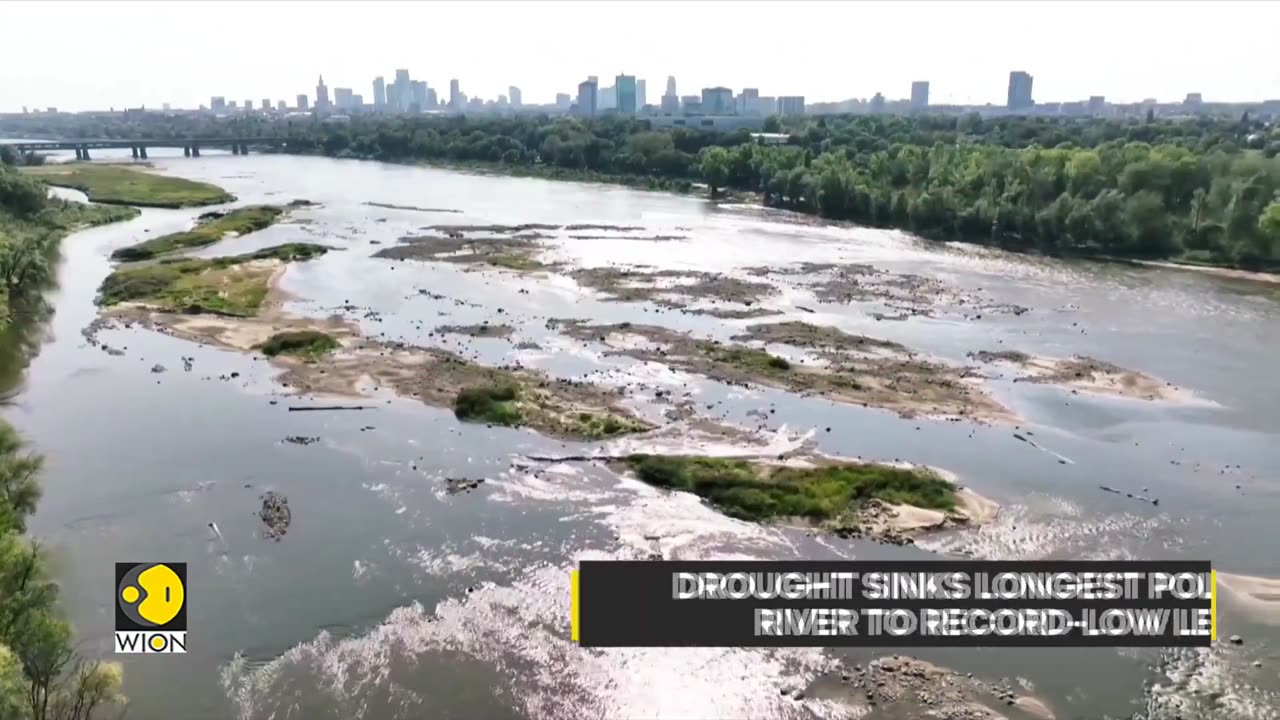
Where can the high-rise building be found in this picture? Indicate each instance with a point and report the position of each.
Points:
(217, 103)
(1193, 99)
(791, 105)
(920, 95)
(606, 98)
(1097, 104)
(1020, 90)
(626, 94)
(266, 104)
(418, 90)
(379, 93)
(514, 93)
(671, 86)
(342, 98)
(404, 91)
(432, 101)
(747, 101)
(642, 94)
(691, 104)
(303, 102)
(248, 105)
(455, 94)
(281, 106)
(231, 105)
(717, 101)
(670, 104)
(164, 107)
(563, 101)
(587, 98)
(766, 105)
(322, 95)
(877, 104)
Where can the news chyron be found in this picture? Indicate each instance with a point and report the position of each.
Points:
(893, 604)
(151, 608)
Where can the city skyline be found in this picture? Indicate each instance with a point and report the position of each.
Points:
(972, 69)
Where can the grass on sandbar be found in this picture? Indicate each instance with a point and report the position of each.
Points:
(240, 221)
(116, 185)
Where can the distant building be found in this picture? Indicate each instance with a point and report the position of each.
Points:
(266, 104)
(379, 93)
(322, 96)
(513, 95)
(708, 122)
(748, 100)
(1193, 100)
(281, 106)
(625, 86)
(231, 105)
(357, 102)
(404, 91)
(1019, 91)
(877, 104)
(587, 98)
(642, 94)
(418, 96)
(1097, 104)
(791, 105)
(217, 103)
(920, 95)
(691, 104)
(303, 102)
(248, 105)
(717, 101)
(342, 98)
(455, 94)
(606, 98)
(671, 86)
(432, 101)
(670, 104)
(563, 101)
(766, 105)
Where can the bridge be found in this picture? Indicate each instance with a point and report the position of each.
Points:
(190, 146)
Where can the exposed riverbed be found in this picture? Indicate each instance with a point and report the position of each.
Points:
(400, 590)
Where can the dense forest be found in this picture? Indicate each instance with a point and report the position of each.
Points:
(42, 676)
(1200, 190)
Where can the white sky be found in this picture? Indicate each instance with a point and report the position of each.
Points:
(101, 54)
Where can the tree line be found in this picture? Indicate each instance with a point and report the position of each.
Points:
(1201, 190)
(42, 675)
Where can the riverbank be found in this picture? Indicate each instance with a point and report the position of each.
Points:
(121, 185)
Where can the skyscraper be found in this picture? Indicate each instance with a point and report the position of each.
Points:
(303, 102)
(514, 93)
(1020, 90)
(792, 104)
(563, 101)
(432, 101)
(642, 93)
(379, 93)
(217, 103)
(404, 91)
(266, 104)
(342, 98)
(717, 101)
(322, 95)
(455, 94)
(671, 86)
(587, 98)
(626, 93)
(877, 104)
(749, 101)
(419, 96)
(281, 106)
(920, 95)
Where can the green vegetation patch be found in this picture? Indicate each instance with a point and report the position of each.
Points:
(307, 344)
(208, 231)
(561, 409)
(113, 184)
(754, 491)
(234, 285)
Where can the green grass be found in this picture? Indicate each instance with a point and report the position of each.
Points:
(113, 184)
(241, 221)
(494, 403)
(750, 491)
(750, 359)
(220, 286)
(309, 345)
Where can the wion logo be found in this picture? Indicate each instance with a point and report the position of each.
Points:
(151, 607)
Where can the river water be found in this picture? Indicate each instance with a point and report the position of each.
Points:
(391, 598)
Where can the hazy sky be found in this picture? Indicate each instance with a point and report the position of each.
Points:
(102, 54)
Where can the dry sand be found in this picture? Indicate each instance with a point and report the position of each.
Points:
(1085, 374)
(1256, 597)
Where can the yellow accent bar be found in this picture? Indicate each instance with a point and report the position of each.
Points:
(1212, 605)
(573, 605)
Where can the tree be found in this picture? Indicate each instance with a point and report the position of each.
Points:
(1269, 230)
(713, 163)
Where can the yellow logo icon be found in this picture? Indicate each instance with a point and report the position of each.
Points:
(161, 592)
(151, 607)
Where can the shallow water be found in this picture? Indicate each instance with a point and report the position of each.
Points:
(389, 597)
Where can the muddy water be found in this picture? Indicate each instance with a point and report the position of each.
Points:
(391, 598)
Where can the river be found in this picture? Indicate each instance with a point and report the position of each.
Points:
(391, 598)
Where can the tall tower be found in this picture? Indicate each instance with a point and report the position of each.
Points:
(671, 85)
(322, 95)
